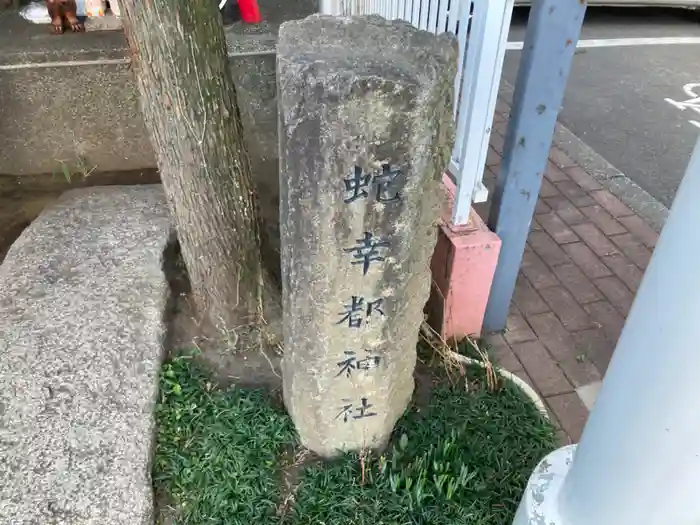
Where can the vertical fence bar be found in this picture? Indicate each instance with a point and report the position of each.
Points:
(466, 178)
(408, 7)
(328, 7)
(453, 16)
(432, 15)
(397, 8)
(463, 23)
(415, 16)
(553, 29)
(423, 23)
(442, 16)
(488, 37)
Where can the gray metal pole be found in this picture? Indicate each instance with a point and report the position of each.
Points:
(553, 30)
(638, 462)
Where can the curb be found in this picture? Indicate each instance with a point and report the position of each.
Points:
(612, 179)
(522, 385)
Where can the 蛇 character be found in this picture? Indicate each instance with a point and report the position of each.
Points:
(383, 182)
(357, 185)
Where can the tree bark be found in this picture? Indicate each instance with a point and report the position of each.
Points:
(190, 109)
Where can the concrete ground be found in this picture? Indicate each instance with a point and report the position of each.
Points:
(616, 96)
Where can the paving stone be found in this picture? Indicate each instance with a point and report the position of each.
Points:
(575, 193)
(626, 270)
(605, 316)
(536, 271)
(571, 413)
(569, 213)
(611, 203)
(581, 177)
(633, 250)
(517, 329)
(522, 374)
(574, 280)
(617, 293)
(577, 367)
(563, 438)
(500, 127)
(560, 158)
(541, 207)
(496, 141)
(527, 299)
(580, 370)
(548, 189)
(641, 230)
(542, 369)
(589, 393)
(557, 228)
(584, 258)
(493, 158)
(544, 246)
(596, 345)
(566, 307)
(601, 218)
(500, 351)
(595, 239)
(554, 173)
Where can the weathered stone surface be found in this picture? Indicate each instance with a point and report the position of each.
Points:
(365, 132)
(82, 300)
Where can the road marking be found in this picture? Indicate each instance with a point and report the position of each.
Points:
(623, 42)
(693, 102)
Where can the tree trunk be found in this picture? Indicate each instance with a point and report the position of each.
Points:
(189, 105)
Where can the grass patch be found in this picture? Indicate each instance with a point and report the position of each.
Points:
(463, 459)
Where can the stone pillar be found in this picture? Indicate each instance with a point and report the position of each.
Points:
(639, 457)
(365, 134)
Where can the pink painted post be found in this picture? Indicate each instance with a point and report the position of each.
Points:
(463, 266)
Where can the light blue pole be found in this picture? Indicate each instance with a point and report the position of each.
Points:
(638, 461)
(553, 30)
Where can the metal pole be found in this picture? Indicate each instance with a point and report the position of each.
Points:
(552, 32)
(638, 462)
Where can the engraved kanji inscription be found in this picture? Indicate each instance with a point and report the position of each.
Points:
(350, 363)
(357, 185)
(358, 310)
(367, 251)
(350, 411)
(384, 181)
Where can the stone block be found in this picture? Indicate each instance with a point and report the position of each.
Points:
(82, 301)
(365, 134)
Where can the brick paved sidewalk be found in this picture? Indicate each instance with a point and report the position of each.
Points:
(583, 263)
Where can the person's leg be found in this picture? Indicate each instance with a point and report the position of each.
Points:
(230, 13)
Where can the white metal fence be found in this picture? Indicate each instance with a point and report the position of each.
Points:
(481, 26)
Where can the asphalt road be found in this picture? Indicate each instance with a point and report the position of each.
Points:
(616, 95)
